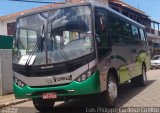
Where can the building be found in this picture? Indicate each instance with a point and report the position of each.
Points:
(153, 33)
(152, 27)
(7, 23)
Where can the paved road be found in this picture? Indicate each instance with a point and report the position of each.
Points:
(148, 96)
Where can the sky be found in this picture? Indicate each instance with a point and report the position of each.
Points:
(150, 7)
(8, 7)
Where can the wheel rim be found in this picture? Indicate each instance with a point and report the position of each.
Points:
(144, 75)
(112, 90)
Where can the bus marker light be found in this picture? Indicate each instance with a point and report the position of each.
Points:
(70, 91)
(29, 94)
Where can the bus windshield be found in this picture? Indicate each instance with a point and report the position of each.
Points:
(53, 36)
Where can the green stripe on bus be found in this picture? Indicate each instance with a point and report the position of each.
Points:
(118, 57)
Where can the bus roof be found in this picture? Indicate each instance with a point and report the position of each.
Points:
(56, 7)
(93, 3)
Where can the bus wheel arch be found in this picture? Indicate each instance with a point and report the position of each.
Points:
(115, 74)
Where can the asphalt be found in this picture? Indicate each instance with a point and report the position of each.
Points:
(9, 100)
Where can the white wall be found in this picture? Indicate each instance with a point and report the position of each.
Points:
(3, 28)
(6, 77)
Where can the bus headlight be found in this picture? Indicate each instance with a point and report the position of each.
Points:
(86, 75)
(19, 82)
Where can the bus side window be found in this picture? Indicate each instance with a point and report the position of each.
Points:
(126, 33)
(115, 24)
(143, 37)
(135, 35)
(101, 32)
(100, 24)
(114, 29)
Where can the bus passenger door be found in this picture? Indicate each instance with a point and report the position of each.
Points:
(102, 43)
(102, 39)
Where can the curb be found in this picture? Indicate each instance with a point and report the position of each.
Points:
(14, 102)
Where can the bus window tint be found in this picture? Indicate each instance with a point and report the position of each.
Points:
(23, 40)
(115, 25)
(32, 39)
(28, 39)
(126, 31)
(135, 35)
(101, 24)
(135, 32)
(115, 29)
(101, 32)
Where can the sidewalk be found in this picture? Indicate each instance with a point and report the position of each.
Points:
(8, 100)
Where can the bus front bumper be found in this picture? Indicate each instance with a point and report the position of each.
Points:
(89, 86)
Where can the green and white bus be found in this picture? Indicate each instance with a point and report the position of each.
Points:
(75, 50)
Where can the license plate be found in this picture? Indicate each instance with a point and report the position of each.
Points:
(49, 96)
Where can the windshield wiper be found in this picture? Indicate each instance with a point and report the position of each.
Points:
(60, 50)
(65, 57)
(63, 54)
(34, 50)
(39, 43)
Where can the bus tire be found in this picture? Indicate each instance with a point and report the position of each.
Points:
(43, 105)
(140, 80)
(112, 91)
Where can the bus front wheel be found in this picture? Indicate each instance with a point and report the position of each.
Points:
(112, 91)
(43, 105)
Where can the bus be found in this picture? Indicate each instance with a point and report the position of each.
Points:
(77, 50)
